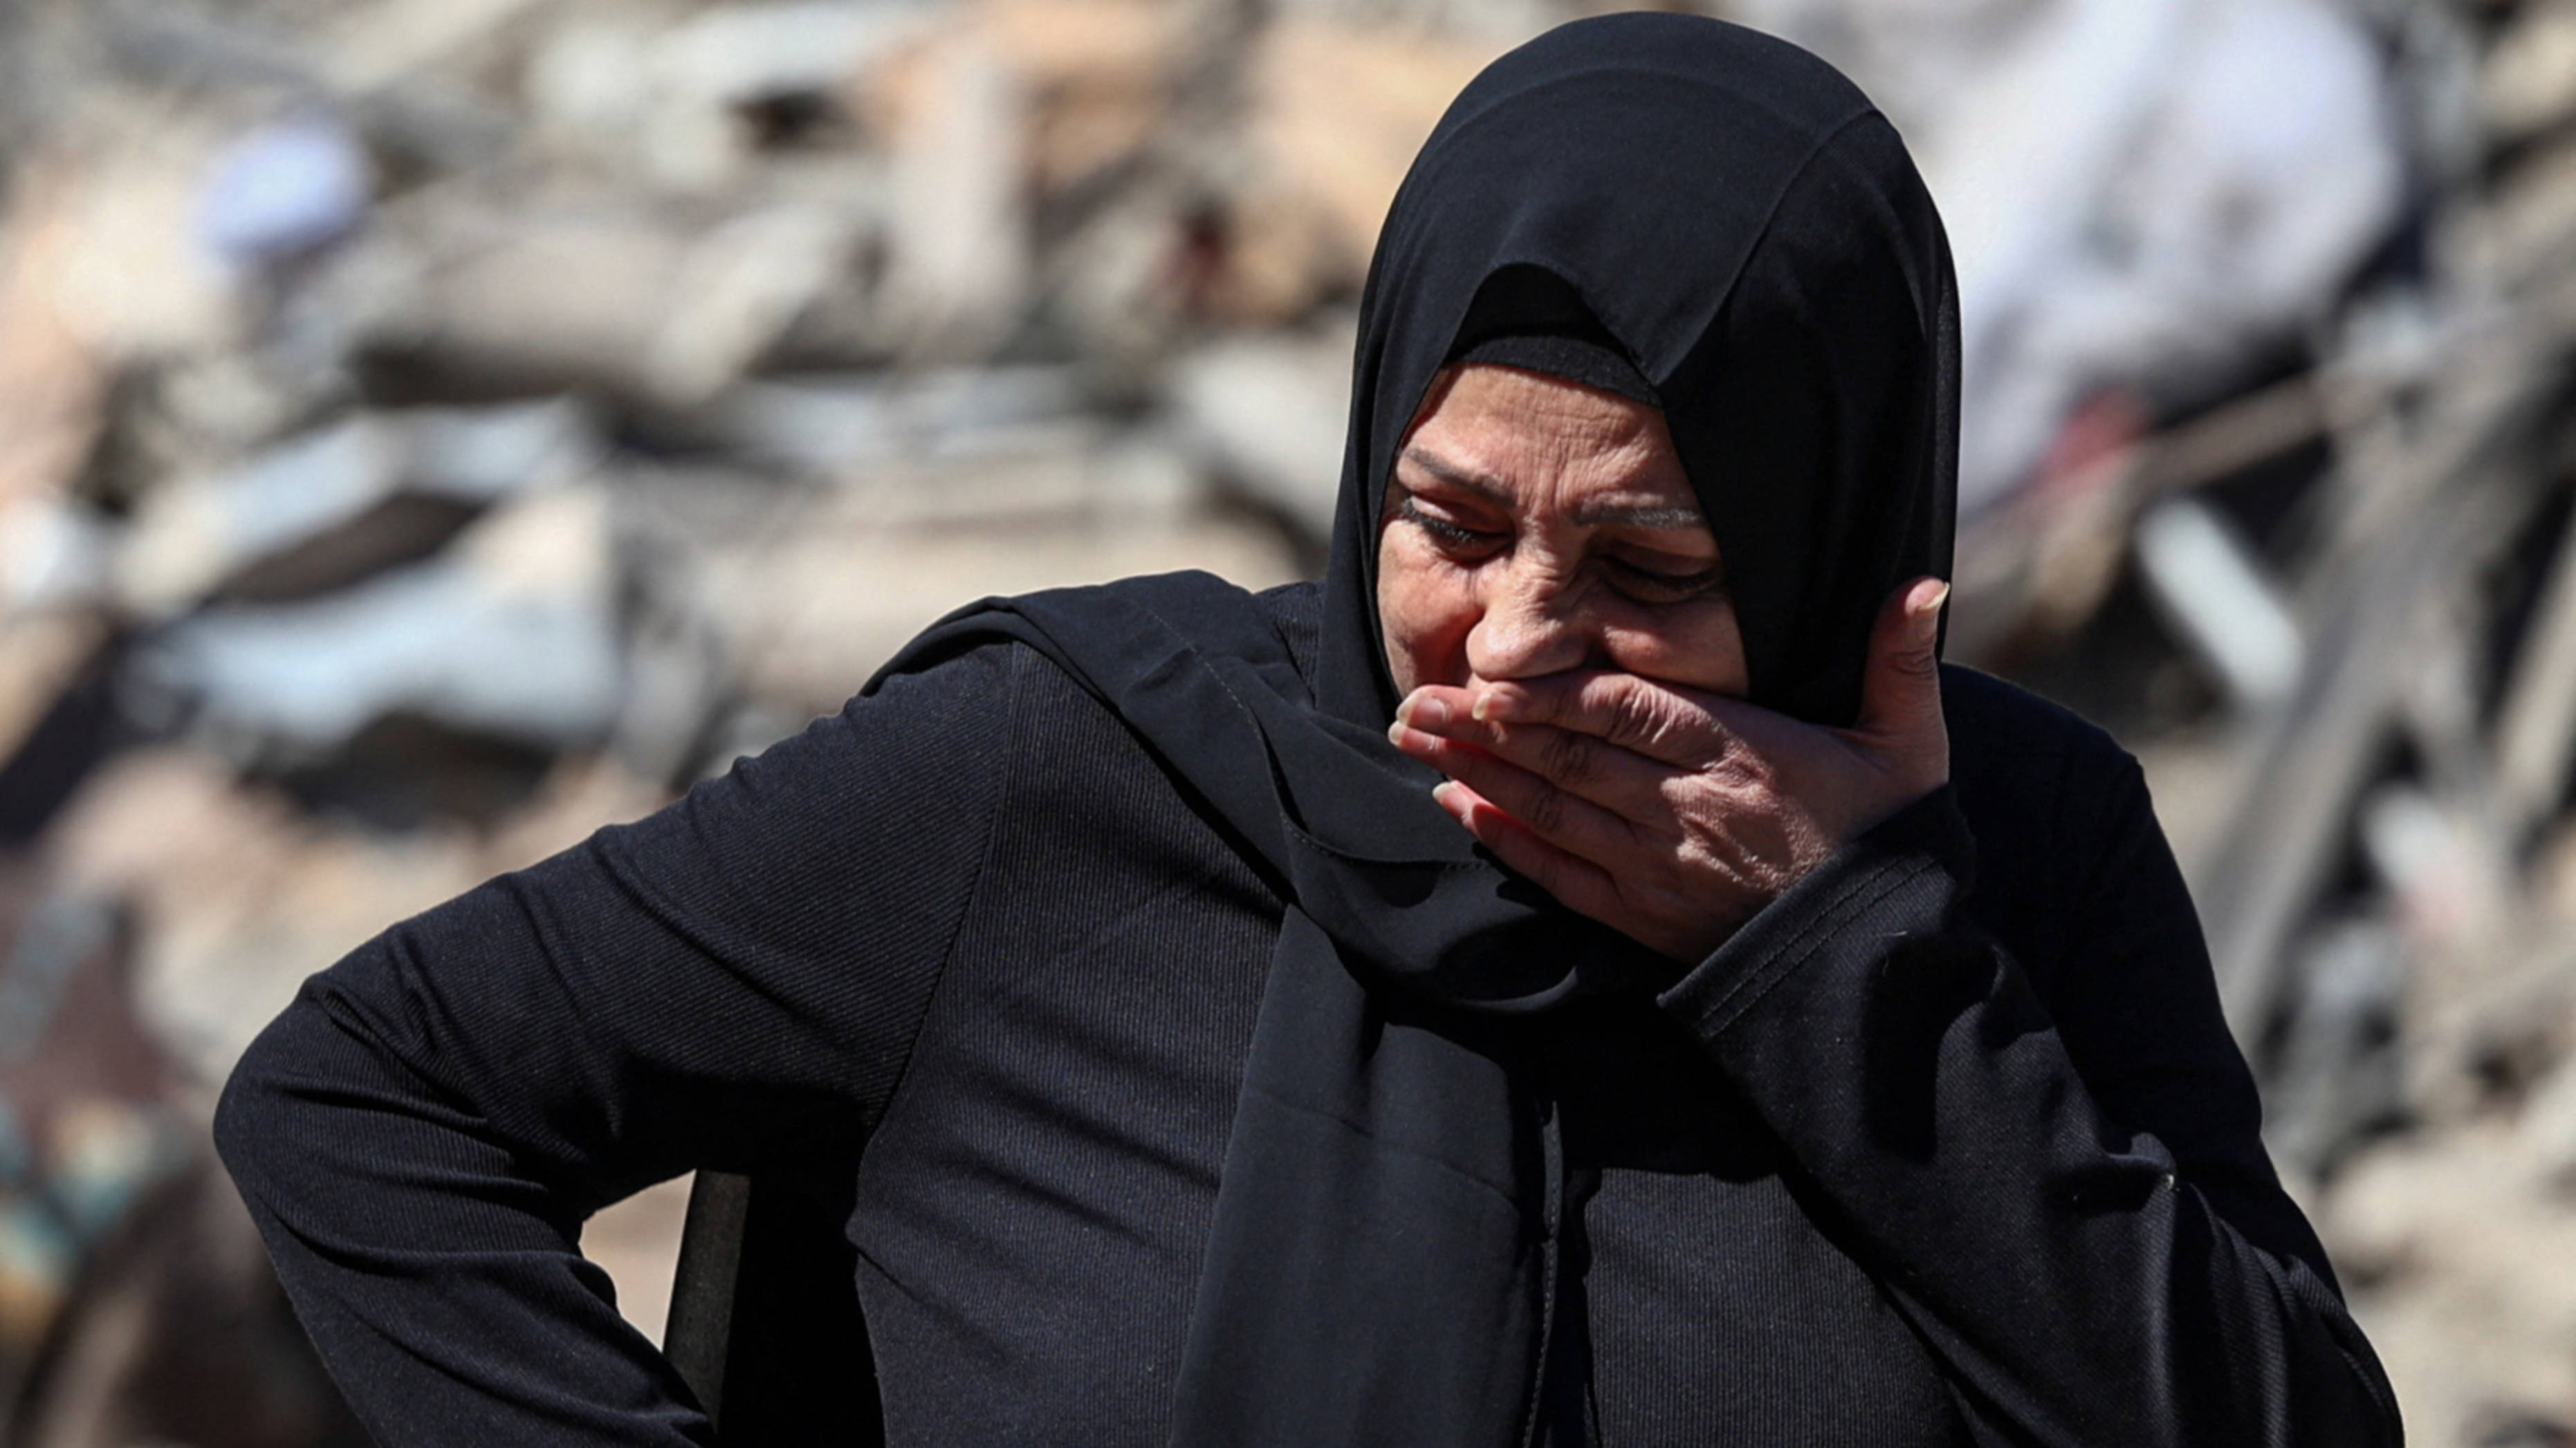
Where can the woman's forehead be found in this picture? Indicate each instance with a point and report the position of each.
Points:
(1524, 439)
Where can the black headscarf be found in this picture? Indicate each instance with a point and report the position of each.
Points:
(1657, 203)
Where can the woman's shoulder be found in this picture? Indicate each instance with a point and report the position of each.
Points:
(1117, 634)
(1995, 724)
(2047, 793)
(1007, 662)
(1296, 611)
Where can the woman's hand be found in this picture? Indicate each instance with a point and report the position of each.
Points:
(1670, 814)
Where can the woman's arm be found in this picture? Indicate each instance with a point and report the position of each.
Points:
(2061, 1183)
(732, 983)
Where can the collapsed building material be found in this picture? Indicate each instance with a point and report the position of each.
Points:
(513, 632)
(1269, 410)
(316, 495)
(2142, 194)
(463, 298)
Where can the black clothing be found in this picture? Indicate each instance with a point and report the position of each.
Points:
(1528, 319)
(1215, 1087)
(1395, 1121)
(1879, 1172)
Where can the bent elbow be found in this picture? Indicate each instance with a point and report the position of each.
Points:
(251, 1126)
(277, 1102)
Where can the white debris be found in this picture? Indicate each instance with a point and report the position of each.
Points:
(513, 633)
(1271, 411)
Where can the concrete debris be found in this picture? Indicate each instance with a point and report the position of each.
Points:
(2206, 174)
(1098, 79)
(178, 1334)
(198, 534)
(2529, 82)
(1336, 112)
(511, 634)
(240, 894)
(679, 97)
(833, 583)
(54, 554)
(2450, 1241)
(86, 1130)
(1271, 410)
(53, 376)
(432, 428)
(40, 653)
(844, 426)
(2516, 232)
(2338, 1075)
(376, 45)
(2221, 604)
(807, 612)
(959, 235)
(113, 247)
(736, 292)
(189, 537)
(491, 300)
(283, 190)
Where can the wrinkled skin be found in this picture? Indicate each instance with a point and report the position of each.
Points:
(1557, 618)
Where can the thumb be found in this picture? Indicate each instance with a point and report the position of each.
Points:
(1900, 693)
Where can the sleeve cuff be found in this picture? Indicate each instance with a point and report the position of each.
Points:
(1920, 858)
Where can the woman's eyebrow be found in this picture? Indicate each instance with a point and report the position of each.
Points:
(1605, 514)
(1598, 513)
(1482, 485)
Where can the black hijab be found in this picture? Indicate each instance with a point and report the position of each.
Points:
(1657, 203)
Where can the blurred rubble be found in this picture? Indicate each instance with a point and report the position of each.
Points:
(430, 429)
(2208, 173)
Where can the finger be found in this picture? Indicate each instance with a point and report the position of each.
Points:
(1435, 706)
(1581, 885)
(1559, 816)
(1590, 767)
(1637, 714)
(1900, 695)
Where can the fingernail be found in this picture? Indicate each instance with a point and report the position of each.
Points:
(1441, 793)
(1492, 704)
(1395, 731)
(1932, 601)
(1428, 713)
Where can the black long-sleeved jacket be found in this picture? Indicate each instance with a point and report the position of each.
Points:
(1906, 1163)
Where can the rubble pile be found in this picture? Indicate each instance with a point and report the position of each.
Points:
(430, 429)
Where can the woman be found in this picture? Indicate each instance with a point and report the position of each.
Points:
(1200, 1073)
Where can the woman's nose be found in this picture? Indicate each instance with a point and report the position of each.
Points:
(1530, 626)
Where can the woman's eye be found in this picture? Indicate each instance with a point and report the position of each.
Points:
(1443, 531)
(1663, 586)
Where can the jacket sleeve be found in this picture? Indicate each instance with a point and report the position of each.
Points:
(2062, 1185)
(732, 983)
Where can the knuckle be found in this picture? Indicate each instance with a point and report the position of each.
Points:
(1633, 718)
(1546, 810)
(1638, 721)
(1568, 757)
(1918, 665)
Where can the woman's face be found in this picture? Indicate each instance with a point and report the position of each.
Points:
(1534, 525)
